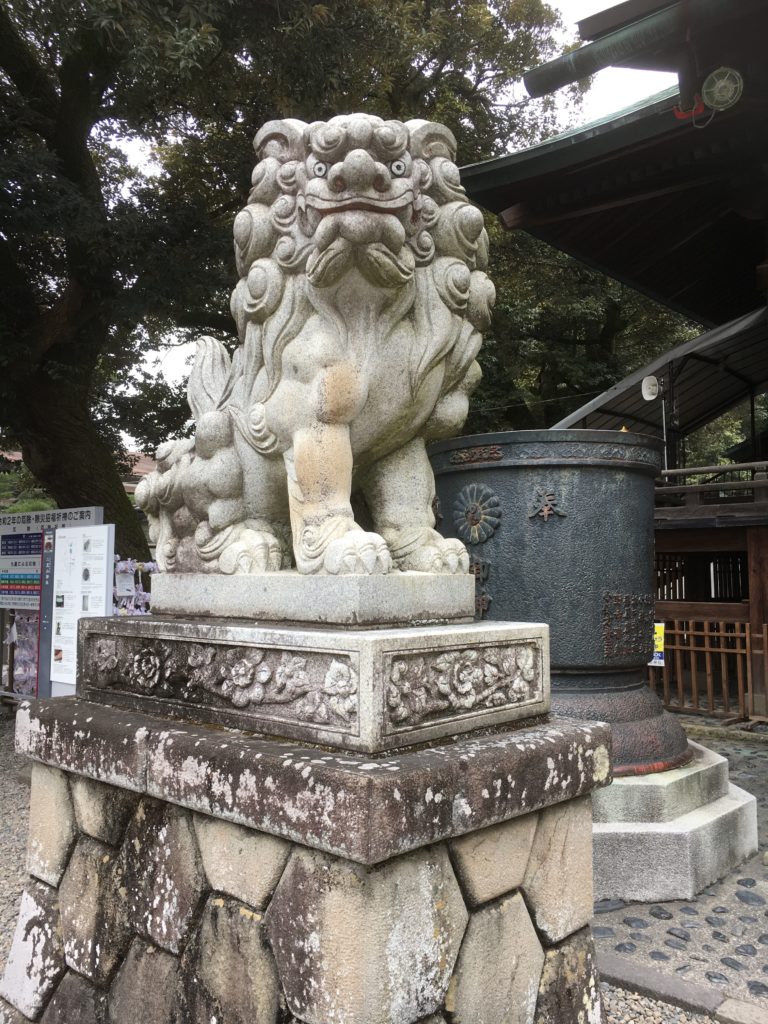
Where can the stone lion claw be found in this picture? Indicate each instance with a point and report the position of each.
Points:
(357, 552)
(433, 553)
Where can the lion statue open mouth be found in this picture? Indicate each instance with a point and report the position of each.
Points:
(359, 309)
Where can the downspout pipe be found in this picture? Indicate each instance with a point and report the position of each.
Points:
(657, 30)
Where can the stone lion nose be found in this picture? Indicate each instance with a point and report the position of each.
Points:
(358, 170)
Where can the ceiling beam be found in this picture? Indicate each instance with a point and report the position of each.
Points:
(519, 215)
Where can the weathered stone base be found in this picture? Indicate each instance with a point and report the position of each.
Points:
(151, 911)
(356, 689)
(393, 599)
(669, 835)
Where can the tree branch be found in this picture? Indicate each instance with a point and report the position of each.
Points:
(63, 322)
(18, 294)
(204, 320)
(82, 78)
(22, 67)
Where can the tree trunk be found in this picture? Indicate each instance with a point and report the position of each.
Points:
(64, 451)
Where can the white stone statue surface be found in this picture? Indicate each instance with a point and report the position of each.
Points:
(359, 310)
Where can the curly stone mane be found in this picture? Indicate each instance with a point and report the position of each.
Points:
(285, 252)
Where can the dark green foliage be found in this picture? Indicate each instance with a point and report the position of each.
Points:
(99, 261)
(153, 410)
(19, 491)
(561, 335)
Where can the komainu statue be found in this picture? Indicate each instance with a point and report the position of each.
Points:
(359, 310)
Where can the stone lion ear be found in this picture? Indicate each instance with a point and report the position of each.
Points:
(283, 140)
(429, 140)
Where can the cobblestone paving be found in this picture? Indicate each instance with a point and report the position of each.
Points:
(721, 938)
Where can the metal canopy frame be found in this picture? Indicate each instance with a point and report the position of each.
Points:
(707, 376)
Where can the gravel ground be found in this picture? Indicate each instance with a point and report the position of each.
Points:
(14, 801)
(630, 1008)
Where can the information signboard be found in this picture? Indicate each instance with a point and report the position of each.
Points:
(82, 586)
(21, 548)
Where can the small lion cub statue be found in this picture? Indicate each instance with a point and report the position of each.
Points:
(361, 299)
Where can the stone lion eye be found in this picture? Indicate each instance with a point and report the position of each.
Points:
(320, 170)
(397, 167)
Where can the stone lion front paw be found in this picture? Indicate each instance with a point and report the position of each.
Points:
(357, 552)
(253, 552)
(433, 554)
(338, 546)
(240, 550)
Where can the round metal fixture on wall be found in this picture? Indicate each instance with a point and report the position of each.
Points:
(722, 89)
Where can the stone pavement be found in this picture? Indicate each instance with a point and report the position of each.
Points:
(706, 959)
(718, 942)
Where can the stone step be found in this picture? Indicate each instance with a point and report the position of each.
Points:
(664, 796)
(676, 859)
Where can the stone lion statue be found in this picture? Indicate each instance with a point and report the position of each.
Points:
(359, 310)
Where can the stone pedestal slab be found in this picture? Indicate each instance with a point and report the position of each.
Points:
(668, 835)
(391, 599)
(94, 914)
(76, 1000)
(484, 989)
(101, 811)
(228, 971)
(356, 689)
(36, 958)
(146, 986)
(398, 928)
(359, 915)
(570, 988)
(347, 804)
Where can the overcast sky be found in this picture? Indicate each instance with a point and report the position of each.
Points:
(613, 88)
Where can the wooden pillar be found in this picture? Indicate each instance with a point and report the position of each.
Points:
(757, 561)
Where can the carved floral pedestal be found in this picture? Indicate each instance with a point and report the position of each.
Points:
(356, 689)
(414, 848)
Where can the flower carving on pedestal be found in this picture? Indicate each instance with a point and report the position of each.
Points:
(152, 668)
(292, 680)
(314, 687)
(105, 660)
(340, 685)
(336, 699)
(245, 681)
(476, 513)
(455, 681)
(459, 678)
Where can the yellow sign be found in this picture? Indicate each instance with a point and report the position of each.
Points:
(657, 661)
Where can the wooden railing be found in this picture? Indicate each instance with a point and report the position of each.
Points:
(707, 664)
(706, 485)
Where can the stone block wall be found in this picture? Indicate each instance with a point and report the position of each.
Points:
(193, 875)
(137, 909)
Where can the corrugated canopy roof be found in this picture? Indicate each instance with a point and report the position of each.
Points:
(703, 378)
